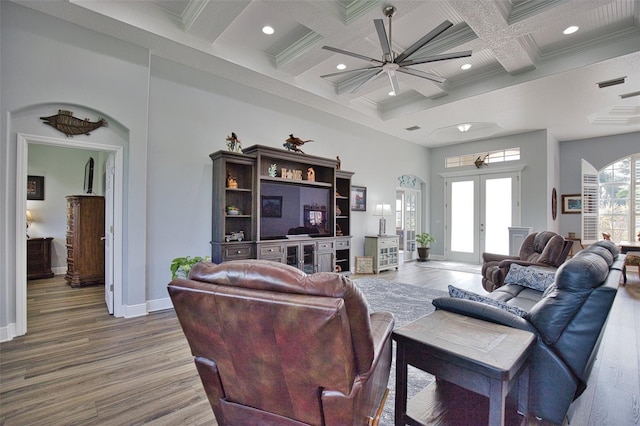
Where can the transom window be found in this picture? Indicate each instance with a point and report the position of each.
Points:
(509, 154)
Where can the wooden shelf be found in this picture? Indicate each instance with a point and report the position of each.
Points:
(296, 181)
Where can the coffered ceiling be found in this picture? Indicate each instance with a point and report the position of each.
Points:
(525, 73)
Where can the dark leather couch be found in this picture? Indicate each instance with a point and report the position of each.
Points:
(274, 346)
(545, 249)
(568, 319)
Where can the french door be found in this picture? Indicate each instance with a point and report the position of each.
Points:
(407, 219)
(479, 211)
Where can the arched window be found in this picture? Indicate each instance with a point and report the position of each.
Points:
(619, 199)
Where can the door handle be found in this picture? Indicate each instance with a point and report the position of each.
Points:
(103, 238)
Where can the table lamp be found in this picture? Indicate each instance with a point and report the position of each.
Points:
(382, 210)
(29, 220)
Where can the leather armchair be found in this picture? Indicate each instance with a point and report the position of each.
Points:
(275, 346)
(546, 249)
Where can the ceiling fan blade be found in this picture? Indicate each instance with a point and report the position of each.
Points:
(423, 41)
(382, 35)
(393, 79)
(436, 58)
(366, 80)
(422, 74)
(349, 71)
(355, 55)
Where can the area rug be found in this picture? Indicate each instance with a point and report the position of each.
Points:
(471, 268)
(407, 303)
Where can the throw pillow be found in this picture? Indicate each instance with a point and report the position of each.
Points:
(469, 295)
(530, 276)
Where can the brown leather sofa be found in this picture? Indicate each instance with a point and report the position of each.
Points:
(275, 346)
(545, 249)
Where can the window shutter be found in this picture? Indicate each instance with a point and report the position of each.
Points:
(589, 203)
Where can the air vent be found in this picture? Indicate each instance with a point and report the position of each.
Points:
(412, 128)
(610, 83)
(629, 95)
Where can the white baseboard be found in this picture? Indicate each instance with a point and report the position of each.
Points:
(59, 270)
(159, 304)
(7, 333)
(132, 311)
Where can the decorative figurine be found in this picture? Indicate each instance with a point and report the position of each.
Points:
(233, 143)
(272, 170)
(293, 143)
(231, 182)
(481, 161)
(339, 162)
(234, 236)
(65, 122)
(311, 174)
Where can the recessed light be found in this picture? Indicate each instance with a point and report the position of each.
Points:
(464, 127)
(268, 30)
(570, 30)
(392, 93)
(341, 66)
(465, 66)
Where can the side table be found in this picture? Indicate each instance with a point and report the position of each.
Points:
(477, 355)
(39, 258)
(384, 249)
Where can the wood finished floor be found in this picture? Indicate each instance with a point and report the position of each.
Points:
(78, 365)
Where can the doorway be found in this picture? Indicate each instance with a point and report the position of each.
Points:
(479, 211)
(407, 220)
(114, 236)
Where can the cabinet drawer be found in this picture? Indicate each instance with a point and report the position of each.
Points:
(324, 246)
(342, 244)
(271, 250)
(237, 252)
(388, 242)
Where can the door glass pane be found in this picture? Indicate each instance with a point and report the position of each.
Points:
(411, 224)
(462, 215)
(498, 204)
(292, 256)
(400, 218)
(309, 258)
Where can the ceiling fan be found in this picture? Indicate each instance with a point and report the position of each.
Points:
(392, 62)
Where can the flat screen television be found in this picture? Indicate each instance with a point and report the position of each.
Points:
(88, 176)
(290, 209)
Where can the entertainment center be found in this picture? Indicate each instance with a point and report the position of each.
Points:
(282, 206)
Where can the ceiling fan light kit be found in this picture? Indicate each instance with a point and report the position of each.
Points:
(392, 63)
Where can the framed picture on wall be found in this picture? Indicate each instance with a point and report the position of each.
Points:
(35, 187)
(572, 203)
(271, 206)
(358, 198)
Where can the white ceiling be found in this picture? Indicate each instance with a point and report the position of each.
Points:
(526, 74)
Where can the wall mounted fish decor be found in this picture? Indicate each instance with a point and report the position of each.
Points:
(65, 122)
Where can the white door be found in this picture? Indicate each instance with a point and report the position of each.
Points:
(407, 219)
(109, 181)
(480, 210)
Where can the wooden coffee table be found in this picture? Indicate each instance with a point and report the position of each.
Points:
(477, 355)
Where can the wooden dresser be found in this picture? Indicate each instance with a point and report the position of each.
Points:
(85, 242)
(39, 258)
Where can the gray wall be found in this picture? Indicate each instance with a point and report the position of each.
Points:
(600, 152)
